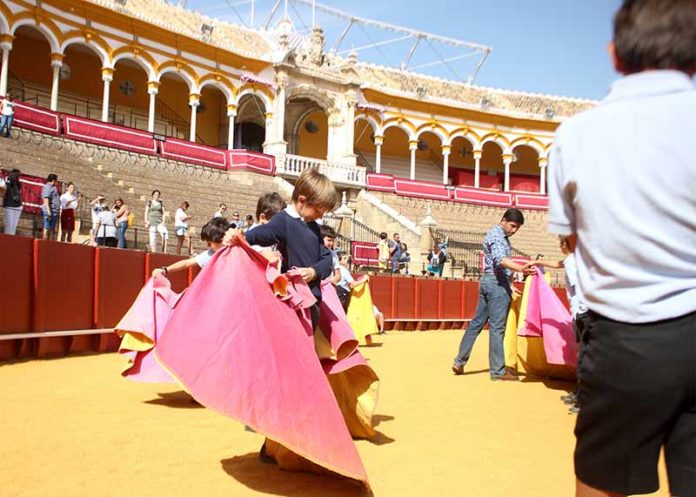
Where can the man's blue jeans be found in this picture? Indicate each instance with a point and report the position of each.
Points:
(122, 227)
(493, 304)
(6, 122)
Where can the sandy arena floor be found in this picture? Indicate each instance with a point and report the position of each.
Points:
(73, 427)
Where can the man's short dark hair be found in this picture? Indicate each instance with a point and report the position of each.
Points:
(51, 177)
(514, 216)
(656, 34)
(214, 230)
(269, 204)
(327, 231)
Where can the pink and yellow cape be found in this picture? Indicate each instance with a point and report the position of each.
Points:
(539, 336)
(259, 366)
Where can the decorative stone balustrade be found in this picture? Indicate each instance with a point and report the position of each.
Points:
(293, 165)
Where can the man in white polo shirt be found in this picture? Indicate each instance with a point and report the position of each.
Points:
(623, 184)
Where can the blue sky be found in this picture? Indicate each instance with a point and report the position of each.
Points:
(547, 46)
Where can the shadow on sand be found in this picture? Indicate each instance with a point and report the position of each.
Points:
(177, 400)
(269, 479)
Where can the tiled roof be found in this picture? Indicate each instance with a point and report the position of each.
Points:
(231, 37)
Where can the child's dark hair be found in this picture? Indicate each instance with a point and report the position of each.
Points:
(383, 235)
(656, 34)
(214, 230)
(269, 204)
(327, 231)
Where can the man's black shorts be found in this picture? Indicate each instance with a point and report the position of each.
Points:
(637, 394)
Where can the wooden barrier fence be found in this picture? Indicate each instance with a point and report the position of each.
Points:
(48, 286)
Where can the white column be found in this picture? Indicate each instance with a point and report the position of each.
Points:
(6, 47)
(507, 160)
(56, 64)
(379, 140)
(445, 163)
(107, 77)
(413, 146)
(231, 113)
(193, 102)
(543, 162)
(477, 168)
(152, 89)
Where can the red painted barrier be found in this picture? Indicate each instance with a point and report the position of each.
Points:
(482, 197)
(381, 290)
(192, 273)
(428, 298)
(119, 276)
(365, 253)
(35, 118)
(421, 189)
(16, 274)
(470, 290)
(251, 161)
(187, 151)
(63, 295)
(524, 201)
(380, 182)
(404, 294)
(109, 135)
(451, 299)
(179, 280)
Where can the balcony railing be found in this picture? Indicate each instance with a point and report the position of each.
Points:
(293, 165)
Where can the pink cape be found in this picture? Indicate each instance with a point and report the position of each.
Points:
(548, 318)
(142, 326)
(257, 365)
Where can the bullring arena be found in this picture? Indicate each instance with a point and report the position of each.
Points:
(122, 97)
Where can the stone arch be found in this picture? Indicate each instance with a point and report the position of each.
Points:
(320, 97)
(530, 142)
(499, 140)
(435, 129)
(401, 123)
(136, 54)
(5, 15)
(252, 90)
(46, 28)
(469, 135)
(183, 70)
(376, 128)
(95, 43)
(221, 83)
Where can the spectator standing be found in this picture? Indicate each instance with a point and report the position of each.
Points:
(95, 207)
(6, 116)
(106, 227)
(395, 251)
(122, 214)
(181, 219)
(154, 221)
(222, 208)
(436, 261)
(12, 202)
(68, 206)
(495, 293)
(383, 251)
(634, 236)
(404, 259)
(248, 221)
(328, 235)
(50, 208)
(236, 221)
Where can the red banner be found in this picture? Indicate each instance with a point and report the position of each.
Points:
(252, 161)
(194, 153)
(109, 135)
